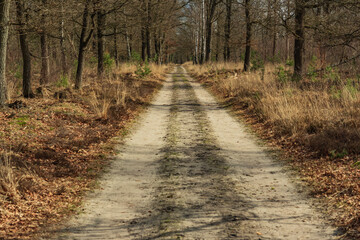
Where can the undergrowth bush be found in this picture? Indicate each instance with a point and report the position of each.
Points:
(108, 62)
(62, 82)
(257, 62)
(283, 75)
(143, 69)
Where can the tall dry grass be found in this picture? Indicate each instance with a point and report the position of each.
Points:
(132, 67)
(126, 68)
(324, 115)
(108, 96)
(159, 70)
(8, 180)
(109, 92)
(212, 67)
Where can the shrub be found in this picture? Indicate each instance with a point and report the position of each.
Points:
(108, 62)
(332, 75)
(312, 73)
(143, 69)
(135, 57)
(256, 61)
(289, 62)
(282, 75)
(63, 82)
(93, 60)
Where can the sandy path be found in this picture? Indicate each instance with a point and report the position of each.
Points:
(190, 171)
(126, 189)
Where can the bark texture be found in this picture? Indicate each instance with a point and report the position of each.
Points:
(84, 40)
(20, 9)
(227, 30)
(248, 36)
(100, 37)
(4, 32)
(45, 66)
(299, 39)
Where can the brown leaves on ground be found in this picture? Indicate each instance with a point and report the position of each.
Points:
(53, 150)
(334, 177)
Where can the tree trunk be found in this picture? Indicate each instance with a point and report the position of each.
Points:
(227, 30)
(128, 39)
(27, 92)
(157, 41)
(275, 35)
(128, 45)
(202, 33)
(196, 47)
(208, 27)
(62, 41)
(147, 29)
(45, 66)
(287, 46)
(116, 53)
(248, 36)
(208, 40)
(4, 33)
(143, 44)
(80, 67)
(83, 43)
(217, 44)
(161, 46)
(287, 33)
(100, 38)
(274, 44)
(299, 39)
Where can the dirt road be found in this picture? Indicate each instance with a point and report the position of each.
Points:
(191, 171)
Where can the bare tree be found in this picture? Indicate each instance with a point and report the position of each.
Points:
(248, 36)
(101, 21)
(4, 30)
(85, 37)
(27, 74)
(300, 11)
(45, 67)
(227, 30)
(62, 40)
(210, 13)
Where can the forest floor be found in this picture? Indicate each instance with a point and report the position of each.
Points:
(192, 171)
(53, 149)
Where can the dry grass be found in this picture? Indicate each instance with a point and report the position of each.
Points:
(212, 67)
(110, 95)
(8, 180)
(104, 93)
(126, 68)
(130, 68)
(13, 88)
(307, 110)
(158, 70)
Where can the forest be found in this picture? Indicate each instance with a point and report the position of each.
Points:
(57, 38)
(74, 74)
